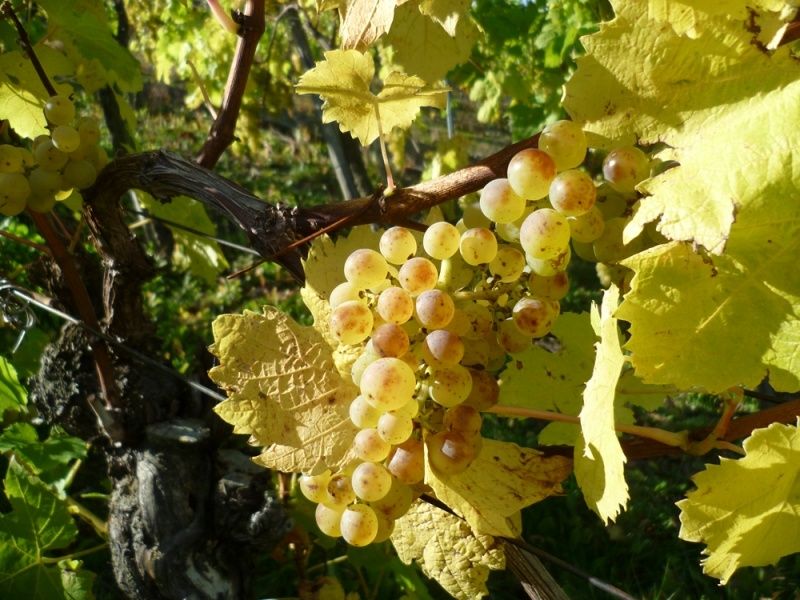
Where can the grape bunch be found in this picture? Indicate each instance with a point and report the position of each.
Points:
(434, 327)
(66, 159)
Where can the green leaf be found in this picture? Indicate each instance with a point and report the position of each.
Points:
(49, 459)
(343, 81)
(38, 516)
(284, 390)
(199, 255)
(447, 550)
(424, 48)
(747, 511)
(689, 313)
(13, 396)
(502, 480)
(90, 32)
(599, 460)
(736, 107)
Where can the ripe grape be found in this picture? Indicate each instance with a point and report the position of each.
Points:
(10, 159)
(360, 365)
(480, 320)
(535, 317)
(554, 287)
(80, 174)
(449, 453)
(59, 110)
(478, 246)
(328, 519)
(441, 240)
(395, 305)
(572, 193)
(385, 528)
(339, 491)
(396, 502)
(550, 266)
(463, 419)
(371, 481)
(410, 409)
(530, 172)
(435, 309)
(450, 385)
(28, 161)
(587, 227)
(41, 203)
(365, 268)
(398, 244)
(508, 264)
(500, 203)
(359, 525)
(485, 391)
(14, 188)
(49, 157)
(445, 346)
(418, 275)
(407, 462)
(473, 216)
(390, 340)
(363, 414)
(510, 338)
(370, 446)
(66, 138)
(351, 322)
(395, 428)
(625, 167)
(565, 142)
(45, 183)
(388, 383)
(315, 487)
(344, 292)
(544, 234)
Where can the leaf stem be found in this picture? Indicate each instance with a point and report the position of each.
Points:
(80, 553)
(390, 186)
(24, 41)
(668, 438)
(80, 511)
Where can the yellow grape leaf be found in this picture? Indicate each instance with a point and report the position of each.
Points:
(364, 21)
(343, 81)
(689, 313)
(736, 107)
(446, 13)
(324, 270)
(553, 379)
(283, 390)
(447, 550)
(501, 481)
(747, 511)
(424, 48)
(599, 459)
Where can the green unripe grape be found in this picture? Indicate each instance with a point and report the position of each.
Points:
(14, 191)
(89, 130)
(10, 159)
(44, 182)
(49, 157)
(66, 138)
(59, 110)
(79, 173)
(43, 203)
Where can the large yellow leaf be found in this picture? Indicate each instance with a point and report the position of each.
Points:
(364, 21)
(728, 117)
(599, 460)
(446, 13)
(447, 550)
(343, 81)
(747, 511)
(424, 48)
(283, 390)
(500, 482)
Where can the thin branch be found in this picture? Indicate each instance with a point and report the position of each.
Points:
(20, 240)
(24, 41)
(251, 28)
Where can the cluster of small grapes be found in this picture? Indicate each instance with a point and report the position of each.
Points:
(435, 329)
(69, 158)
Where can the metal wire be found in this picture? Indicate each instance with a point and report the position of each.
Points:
(14, 297)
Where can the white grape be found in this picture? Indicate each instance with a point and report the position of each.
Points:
(359, 525)
(544, 234)
(500, 203)
(351, 322)
(363, 414)
(572, 193)
(365, 268)
(371, 481)
(417, 275)
(395, 305)
(478, 246)
(565, 142)
(441, 240)
(397, 244)
(388, 383)
(530, 172)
